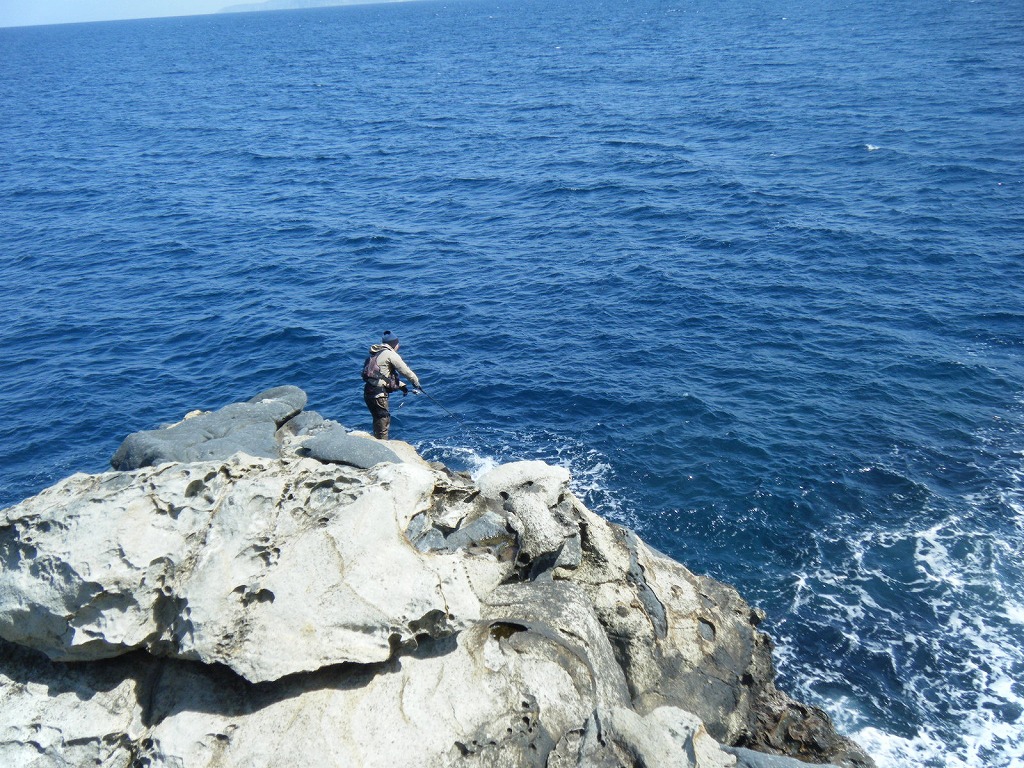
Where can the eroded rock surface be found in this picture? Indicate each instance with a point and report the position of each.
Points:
(283, 610)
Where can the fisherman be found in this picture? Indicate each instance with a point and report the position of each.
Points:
(380, 372)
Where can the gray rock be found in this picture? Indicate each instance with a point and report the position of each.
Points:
(486, 699)
(748, 758)
(536, 505)
(302, 424)
(64, 715)
(336, 446)
(248, 427)
(490, 530)
(285, 401)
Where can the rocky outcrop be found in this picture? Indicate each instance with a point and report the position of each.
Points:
(366, 608)
(270, 425)
(248, 427)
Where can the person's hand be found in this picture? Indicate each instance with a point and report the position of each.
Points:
(405, 390)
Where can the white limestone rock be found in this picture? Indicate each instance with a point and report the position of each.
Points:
(537, 506)
(63, 715)
(271, 567)
(283, 611)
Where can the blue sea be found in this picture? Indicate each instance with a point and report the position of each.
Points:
(753, 271)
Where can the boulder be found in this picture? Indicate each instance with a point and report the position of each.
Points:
(268, 567)
(303, 424)
(336, 446)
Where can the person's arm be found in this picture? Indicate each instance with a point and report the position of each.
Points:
(405, 370)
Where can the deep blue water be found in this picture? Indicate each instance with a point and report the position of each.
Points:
(754, 271)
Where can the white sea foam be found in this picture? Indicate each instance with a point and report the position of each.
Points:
(1014, 612)
(462, 458)
(959, 678)
(890, 751)
(481, 465)
(593, 481)
(800, 589)
(933, 556)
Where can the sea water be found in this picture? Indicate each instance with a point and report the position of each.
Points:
(752, 270)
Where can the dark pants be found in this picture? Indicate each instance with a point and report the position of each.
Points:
(376, 400)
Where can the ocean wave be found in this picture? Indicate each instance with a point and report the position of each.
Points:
(941, 600)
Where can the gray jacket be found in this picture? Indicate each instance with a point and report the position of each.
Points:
(390, 361)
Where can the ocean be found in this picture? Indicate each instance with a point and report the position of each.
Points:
(753, 271)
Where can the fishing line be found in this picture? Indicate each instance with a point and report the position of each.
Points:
(435, 402)
(431, 399)
(468, 429)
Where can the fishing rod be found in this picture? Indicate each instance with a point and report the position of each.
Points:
(466, 428)
(422, 391)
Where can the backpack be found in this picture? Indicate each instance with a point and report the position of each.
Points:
(371, 371)
(371, 374)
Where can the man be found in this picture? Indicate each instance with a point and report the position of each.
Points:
(380, 372)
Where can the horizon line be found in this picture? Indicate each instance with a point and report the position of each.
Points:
(222, 12)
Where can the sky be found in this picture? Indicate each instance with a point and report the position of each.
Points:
(16, 13)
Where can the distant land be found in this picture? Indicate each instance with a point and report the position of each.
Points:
(286, 5)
